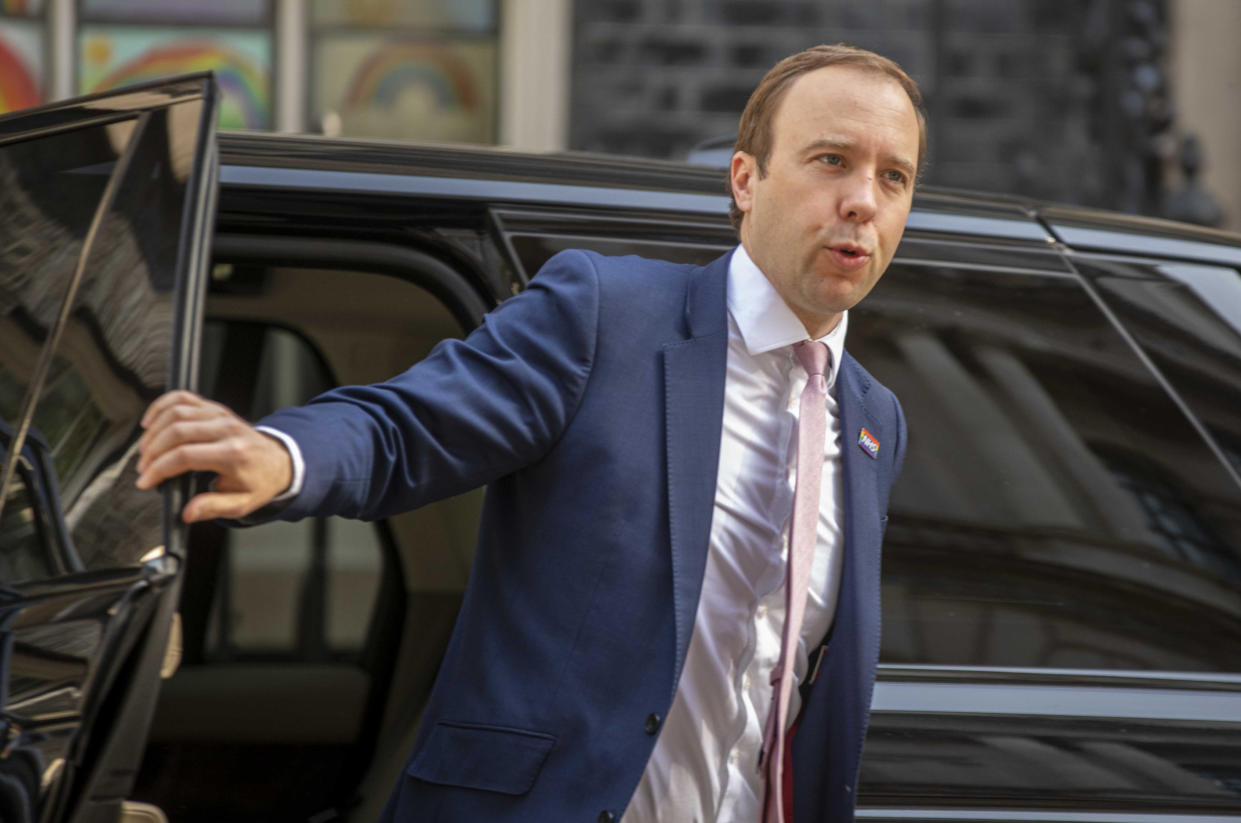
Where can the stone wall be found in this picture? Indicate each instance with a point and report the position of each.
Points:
(1014, 87)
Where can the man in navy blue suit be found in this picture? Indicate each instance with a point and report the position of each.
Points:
(635, 422)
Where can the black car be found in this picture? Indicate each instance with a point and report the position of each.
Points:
(1062, 571)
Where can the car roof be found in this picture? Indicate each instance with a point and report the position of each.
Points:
(314, 162)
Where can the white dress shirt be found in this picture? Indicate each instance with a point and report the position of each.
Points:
(705, 764)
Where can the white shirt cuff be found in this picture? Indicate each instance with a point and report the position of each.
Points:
(299, 465)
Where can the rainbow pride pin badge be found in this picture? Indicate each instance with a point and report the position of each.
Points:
(867, 442)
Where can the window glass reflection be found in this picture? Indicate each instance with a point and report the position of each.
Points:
(1187, 318)
(112, 357)
(116, 350)
(49, 189)
(1056, 508)
(533, 250)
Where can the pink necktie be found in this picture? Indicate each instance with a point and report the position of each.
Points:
(804, 528)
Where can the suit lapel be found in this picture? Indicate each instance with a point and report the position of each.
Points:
(859, 472)
(694, 371)
(858, 606)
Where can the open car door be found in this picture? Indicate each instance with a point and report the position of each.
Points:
(106, 205)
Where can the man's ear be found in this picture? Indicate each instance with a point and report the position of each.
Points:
(743, 172)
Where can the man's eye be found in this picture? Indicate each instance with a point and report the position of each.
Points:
(831, 159)
(897, 177)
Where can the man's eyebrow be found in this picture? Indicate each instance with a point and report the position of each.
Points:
(829, 143)
(840, 144)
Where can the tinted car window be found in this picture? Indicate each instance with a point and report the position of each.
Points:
(533, 250)
(49, 190)
(114, 345)
(1056, 509)
(1187, 319)
(118, 346)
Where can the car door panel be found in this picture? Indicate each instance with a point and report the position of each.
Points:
(99, 268)
(1062, 603)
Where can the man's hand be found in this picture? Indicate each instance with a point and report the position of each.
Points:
(185, 432)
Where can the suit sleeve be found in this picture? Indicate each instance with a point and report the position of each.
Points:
(472, 411)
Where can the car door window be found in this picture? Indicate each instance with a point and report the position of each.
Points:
(532, 236)
(113, 352)
(1057, 508)
(49, 190)
(114, 343)
(1187, 319)
(533, 250)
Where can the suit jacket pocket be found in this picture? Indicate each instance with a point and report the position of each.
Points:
(490, 758)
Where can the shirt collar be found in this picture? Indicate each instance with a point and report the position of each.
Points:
(765, 321)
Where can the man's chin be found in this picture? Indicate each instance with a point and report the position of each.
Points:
(839, 294)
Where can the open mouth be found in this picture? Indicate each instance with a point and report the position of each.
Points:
(849, 256)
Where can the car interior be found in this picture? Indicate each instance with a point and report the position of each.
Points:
(308, 647)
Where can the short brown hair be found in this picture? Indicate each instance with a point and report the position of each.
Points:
(754, 131)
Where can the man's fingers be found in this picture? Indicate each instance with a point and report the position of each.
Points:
(170, 415)
(169, 399)
(156, 420)
(186, 433)
(212, 505)
(161, 439)
(219, 457)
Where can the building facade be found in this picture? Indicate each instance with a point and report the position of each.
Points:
(1111, 103)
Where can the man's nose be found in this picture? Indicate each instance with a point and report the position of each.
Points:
(857, 202)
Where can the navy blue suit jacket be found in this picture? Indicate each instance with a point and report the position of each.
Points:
(592, 405)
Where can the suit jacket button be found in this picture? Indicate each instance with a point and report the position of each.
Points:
(652, 723)
(606, 816)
